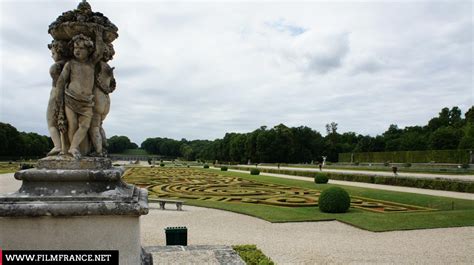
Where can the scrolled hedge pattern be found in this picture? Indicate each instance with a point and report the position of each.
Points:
(188, 183)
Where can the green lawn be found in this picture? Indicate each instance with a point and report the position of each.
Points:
(6, 167)
(449, 212)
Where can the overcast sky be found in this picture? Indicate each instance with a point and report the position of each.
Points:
(197, 70)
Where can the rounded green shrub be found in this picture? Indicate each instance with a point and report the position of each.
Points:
(162, 164)
(224, 168)
(334, 200)
(321, 179)
(205, 166)
(254, 171)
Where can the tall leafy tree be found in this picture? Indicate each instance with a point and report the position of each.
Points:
(10, 140)
(445, 138)
(118, 144)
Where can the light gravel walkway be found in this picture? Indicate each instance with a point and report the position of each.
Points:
(442, 193)
(8, 183)
(312, 242)
(373, 173)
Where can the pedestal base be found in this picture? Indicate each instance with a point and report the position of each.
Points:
(120, 233)
(74, 205)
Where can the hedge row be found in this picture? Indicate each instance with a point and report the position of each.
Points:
(434, 184)
(252, 255)
(438, 156)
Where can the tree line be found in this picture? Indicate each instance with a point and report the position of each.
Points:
(17, 144)
(280, 144)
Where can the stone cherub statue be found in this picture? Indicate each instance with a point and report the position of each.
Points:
(60, 54)
(79, 100)
(104, 84)
(77, 83)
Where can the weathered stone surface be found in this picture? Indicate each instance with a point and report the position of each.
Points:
(197, 254)
(120, 233)
(146, 258)
(54, 175)
(69, 162)
(82, 21)
(46, 192)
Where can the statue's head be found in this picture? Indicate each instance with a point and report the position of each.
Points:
(109, 52)
(83, 46)
(59, 50)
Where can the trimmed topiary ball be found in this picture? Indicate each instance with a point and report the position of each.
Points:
(224, 168)
(321, 179)
(162, 164)
(205, 166)
(334, 200)
(254, 171)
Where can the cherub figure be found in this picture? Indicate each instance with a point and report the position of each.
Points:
(60, 53)
(77, 83)
(104, 84)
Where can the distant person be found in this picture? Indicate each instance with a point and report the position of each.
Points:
(320, 167)
(395, 169)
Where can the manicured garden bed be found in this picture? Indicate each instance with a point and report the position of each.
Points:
(424, 211)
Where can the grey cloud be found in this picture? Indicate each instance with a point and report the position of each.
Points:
(323, 62)
(369, 65)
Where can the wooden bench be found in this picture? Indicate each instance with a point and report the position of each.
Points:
(162, 202)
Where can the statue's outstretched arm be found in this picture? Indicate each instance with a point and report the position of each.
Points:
(63, 79)
(61, 86)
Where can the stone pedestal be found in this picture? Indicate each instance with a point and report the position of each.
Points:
(74, 205)
(106, 232)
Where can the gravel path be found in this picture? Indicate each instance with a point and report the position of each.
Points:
(376, 173)
(8, 183)
(312, 242)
